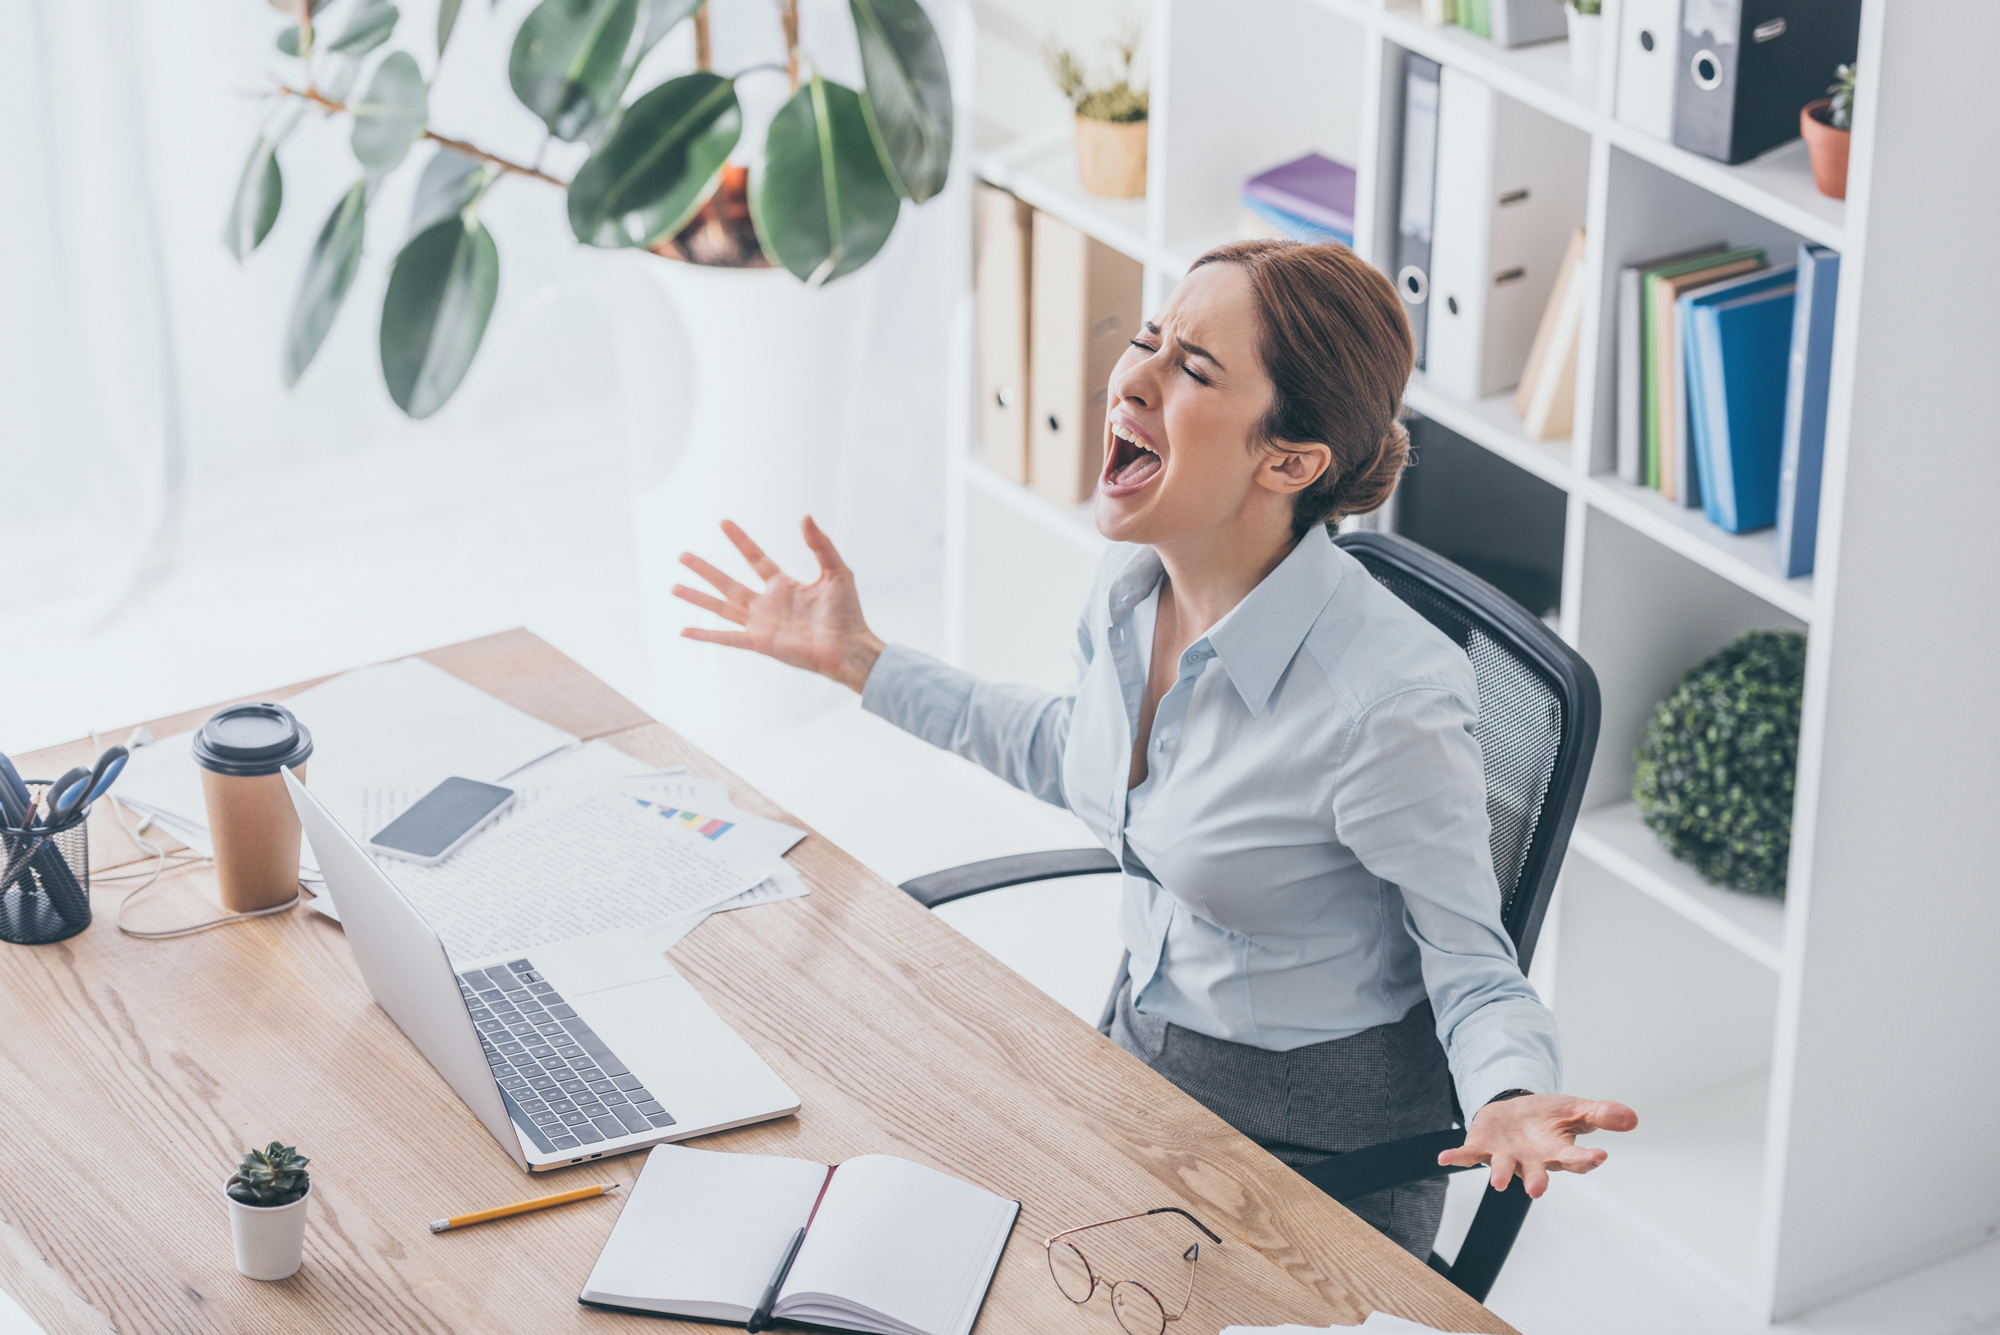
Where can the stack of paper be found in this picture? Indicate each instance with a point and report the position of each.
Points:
(1380, 1322)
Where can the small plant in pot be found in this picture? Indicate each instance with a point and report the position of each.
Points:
(1827, 126)
(1585, 19)
(1110, 117)
(268, 1195)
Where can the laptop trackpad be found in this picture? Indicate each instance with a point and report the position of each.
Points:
(586, 964)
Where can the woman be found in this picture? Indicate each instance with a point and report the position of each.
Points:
(1280, 752)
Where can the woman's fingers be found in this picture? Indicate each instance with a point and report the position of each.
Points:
(726, 586)
(727, 611)
(822, 547)
(767, 569)
(1465, 1156)
(735, 639)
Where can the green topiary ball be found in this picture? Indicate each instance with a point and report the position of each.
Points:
(1716, 762)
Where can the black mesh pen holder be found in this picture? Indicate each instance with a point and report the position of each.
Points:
(45, 896)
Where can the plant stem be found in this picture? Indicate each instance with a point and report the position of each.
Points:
(702, 56)
(788, 13)
(319, 99)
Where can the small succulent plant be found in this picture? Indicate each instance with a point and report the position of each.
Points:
(1117, 101)
(1841, 114)
(275, 1175)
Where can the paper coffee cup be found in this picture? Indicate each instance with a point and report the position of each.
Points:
(243, 752)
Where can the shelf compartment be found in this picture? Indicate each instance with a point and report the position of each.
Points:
(1042, 172)
(1616, 838)
(1747, 560)
(1493, 423)
(1538, 75)
(1778, 186)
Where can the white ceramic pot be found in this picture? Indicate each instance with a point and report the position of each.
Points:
(270, 1239)
(1584, 30)
(753, 393)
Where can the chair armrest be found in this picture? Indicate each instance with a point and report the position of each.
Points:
(1348, 1177)
(973, 878)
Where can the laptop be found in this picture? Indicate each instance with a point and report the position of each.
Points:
(567, 1052)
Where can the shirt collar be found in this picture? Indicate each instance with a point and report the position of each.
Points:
(1258, 638)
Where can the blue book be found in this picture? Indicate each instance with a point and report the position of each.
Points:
(1737, 336)
(1805, 409)
(1294, 226)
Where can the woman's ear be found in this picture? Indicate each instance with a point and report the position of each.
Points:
(1295, 467)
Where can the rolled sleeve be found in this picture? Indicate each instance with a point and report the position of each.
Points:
(1016, 732)
(1411, 805)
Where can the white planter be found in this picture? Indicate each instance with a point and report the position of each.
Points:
(1584, 30)
(270, 1240)
(740, 406)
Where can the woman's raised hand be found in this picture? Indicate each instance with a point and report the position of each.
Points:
(816, 626)
(1535, 1135)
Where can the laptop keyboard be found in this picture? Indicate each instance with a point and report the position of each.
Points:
(549, 1063)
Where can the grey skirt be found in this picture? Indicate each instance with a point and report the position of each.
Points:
(1317, 1101)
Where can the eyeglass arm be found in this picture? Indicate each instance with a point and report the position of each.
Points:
(1164, 1209)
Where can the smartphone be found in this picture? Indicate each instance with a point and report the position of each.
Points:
(441, 821)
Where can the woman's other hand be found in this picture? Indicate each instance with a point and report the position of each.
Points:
(1534, 1135)
(816, 626)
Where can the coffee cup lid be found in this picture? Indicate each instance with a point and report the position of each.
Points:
(252, 739)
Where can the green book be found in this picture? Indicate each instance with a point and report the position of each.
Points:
(1659, 286)
(1473, 14)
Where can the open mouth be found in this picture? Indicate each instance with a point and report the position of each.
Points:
(1133, 462)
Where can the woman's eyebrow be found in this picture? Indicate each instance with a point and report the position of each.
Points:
(1195, 348)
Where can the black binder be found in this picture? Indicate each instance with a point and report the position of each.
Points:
(1747, 66)
(1418, 192)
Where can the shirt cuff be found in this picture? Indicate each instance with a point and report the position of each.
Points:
(1478, 1088)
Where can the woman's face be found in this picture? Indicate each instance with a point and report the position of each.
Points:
(1182, 452)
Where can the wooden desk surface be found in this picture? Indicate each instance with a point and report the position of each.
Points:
(136, 1071)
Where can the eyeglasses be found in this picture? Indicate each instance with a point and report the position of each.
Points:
(1134, 1305)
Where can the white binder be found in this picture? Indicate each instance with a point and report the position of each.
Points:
(1510, 191)
(1649, 44)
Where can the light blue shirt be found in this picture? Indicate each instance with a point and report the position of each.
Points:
(1307, 857)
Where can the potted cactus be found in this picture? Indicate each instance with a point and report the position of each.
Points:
(268, 1194)
(1110, 118)
(1827, 126)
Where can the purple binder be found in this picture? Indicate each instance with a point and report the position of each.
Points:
(1315, 188)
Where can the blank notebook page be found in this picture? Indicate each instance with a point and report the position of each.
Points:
(898, 1239)
(706, 1228)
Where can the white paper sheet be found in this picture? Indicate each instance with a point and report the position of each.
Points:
(782, 884)
(1378, 1323)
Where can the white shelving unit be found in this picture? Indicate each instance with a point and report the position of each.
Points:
(1782, 1054)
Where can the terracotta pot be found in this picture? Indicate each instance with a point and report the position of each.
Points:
(1111, 157)
(1828, 148)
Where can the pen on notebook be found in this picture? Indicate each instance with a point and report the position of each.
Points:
(502, 1211)
(762, 1315)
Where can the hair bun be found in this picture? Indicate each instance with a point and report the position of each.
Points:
(1369, 489)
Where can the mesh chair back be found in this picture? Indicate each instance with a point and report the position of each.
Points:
(1538, 715)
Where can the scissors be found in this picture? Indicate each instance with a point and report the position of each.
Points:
(13, 793)
(79, 787)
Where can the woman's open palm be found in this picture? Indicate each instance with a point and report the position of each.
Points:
(816, 626)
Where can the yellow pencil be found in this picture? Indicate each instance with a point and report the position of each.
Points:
(502, 1211)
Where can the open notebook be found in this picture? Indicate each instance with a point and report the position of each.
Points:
(891, 1247)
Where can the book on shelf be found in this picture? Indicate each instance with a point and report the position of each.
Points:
(1417, 196)
(1669, 469)
(1510, 191)
(1649, 43)
(1546, 399)
(1440, 13)
(1473, 15)
(890, 1247)
(1084, 302)
(1001, 226)
(1747, 66)
(1631, 357)
(1310, 198)
(1738, 337)
(1809, 372)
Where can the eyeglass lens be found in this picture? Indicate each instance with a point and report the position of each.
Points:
(1072, 1272)
(1132, 1303)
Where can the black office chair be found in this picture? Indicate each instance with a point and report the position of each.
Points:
(1538, 715)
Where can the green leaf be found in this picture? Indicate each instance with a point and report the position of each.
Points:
(447, 20)
(822, 203)
(909, 93)
(367, 28)
(655, 170)
(434, 314)
(259, 193)
(449, 183)
(329, 271)
(567, 58)
(391, 115)
(288, 40)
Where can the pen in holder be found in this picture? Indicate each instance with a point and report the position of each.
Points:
(44, 879)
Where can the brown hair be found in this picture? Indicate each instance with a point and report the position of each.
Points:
(1337, 347)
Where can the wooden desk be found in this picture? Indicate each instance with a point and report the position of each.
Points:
(133, 1073)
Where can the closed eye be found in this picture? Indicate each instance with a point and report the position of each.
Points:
(1192, 374)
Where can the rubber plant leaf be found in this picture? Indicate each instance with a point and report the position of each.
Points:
(441, 292)
(656, 18)
(567, 58)
(659, 165)
(260, 191)
(909, 93)
(336, 254)
(447, 20)
(449, 183)
(822, 203)
(391, 114)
